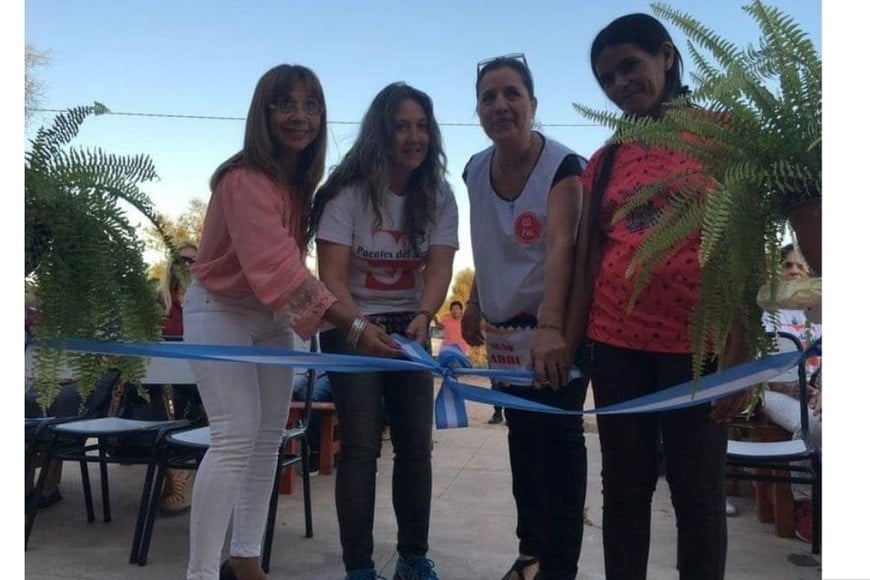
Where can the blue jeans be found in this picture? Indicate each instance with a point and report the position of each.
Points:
(548, 465)
(359, 400)
(694, 447)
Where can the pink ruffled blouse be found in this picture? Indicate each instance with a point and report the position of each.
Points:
(250, 246)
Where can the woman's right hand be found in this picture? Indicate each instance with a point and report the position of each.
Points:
(374, 341)
(471, 329)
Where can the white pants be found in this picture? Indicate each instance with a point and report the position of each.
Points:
(785, 411)
(247, 408)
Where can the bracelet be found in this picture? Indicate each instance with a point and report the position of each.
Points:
(425, 313)
(472, 303)
(357, 327)
(551, 327)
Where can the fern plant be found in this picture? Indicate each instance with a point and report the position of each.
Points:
(757, 136)
(83, 254)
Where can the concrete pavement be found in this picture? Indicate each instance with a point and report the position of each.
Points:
(472, 528)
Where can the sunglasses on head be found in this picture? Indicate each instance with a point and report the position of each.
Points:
(513, 56)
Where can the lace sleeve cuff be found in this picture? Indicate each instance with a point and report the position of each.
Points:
(307, 305)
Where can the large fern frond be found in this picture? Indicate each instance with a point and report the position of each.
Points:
(84, 253)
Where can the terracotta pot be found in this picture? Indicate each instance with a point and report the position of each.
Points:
(806, 221)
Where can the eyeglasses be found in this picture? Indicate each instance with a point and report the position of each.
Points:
(186, 260)
(517, 56)
(310, 107)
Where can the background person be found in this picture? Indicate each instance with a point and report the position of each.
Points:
(250, 288)
(183, 401)
(524, 195)
(386, 227)
(452, 327)
(648, 349)
(782, 400)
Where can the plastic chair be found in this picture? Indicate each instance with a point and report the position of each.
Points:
(768, 461)
(186, 449)
(68, 442)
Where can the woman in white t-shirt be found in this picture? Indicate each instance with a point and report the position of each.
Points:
(386, 225)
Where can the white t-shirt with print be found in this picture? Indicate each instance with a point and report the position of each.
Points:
(384, 275)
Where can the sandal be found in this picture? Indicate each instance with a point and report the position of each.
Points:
(516, 571)
(176, 492)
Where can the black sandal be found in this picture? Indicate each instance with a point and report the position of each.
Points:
(518, 567)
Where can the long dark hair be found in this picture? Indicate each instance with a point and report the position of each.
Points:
(648, 34)
(367, 164)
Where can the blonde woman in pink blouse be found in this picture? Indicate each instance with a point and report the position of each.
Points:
(251, 287)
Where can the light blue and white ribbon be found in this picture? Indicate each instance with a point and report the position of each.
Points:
(450, 402)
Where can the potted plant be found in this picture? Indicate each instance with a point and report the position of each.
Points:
(82, 254)
(758, 135)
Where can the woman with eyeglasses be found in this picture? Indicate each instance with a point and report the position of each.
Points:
(386, 226)
(647, 349)
(524, 194)
(250, 288)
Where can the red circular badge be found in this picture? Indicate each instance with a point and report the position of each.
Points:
(527, 227)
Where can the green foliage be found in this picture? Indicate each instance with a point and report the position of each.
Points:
(757, 137)
(82, 253)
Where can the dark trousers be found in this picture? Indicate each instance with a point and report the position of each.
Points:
(548, 465)
(694, 448)
(358, 403)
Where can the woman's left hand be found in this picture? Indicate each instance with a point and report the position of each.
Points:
(551, 359)
(419, 329)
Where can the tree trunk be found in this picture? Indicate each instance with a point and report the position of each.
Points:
(806, 221)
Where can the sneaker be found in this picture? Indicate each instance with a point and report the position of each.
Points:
(415, 568)
(803, 520)
(496, 418)
(730, 508)
(364, 574)
(176, 491)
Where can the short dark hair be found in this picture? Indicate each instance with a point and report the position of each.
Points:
(456, 303)
(512, 63)
(646, 33)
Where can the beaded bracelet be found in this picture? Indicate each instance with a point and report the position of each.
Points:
(425, 313)
(551, 327)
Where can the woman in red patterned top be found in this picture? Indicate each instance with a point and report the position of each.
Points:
(638, 352)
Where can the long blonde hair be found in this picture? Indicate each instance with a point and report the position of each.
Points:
(169, 282)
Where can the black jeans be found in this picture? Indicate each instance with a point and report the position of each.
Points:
(358, 403)
(694, 448)
(548, 465)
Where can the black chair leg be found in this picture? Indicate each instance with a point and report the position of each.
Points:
(31, 509)
(144, 502)
(86, 489)
(306, 488)
(817, 505)
(104, 485)
(266, 558)
(153, 506)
